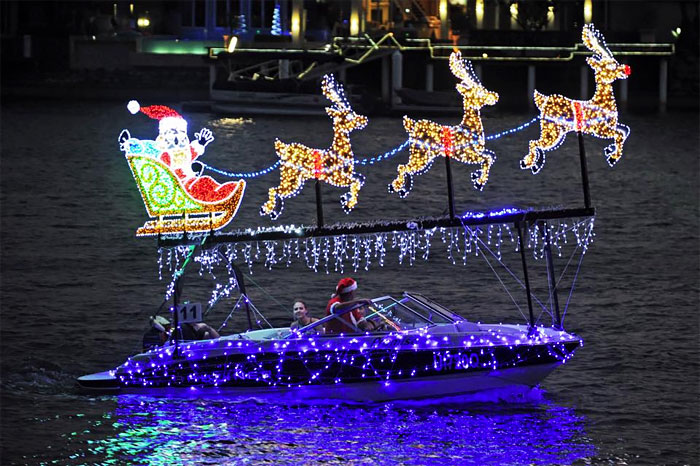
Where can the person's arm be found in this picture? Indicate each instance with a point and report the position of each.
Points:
(366, 324)
(339, 307)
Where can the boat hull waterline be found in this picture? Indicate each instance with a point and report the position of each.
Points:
(366, 367)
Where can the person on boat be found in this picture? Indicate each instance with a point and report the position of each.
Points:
(157, 334)
(302, 317)
(343, 298)
(178, 153)
(197, 331)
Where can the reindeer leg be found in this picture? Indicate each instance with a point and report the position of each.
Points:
(551, 136)
(403, 183)
(481, 176)
(397, 185)
(613, 152)
(269, 207)
(349, 199)
(273, 207)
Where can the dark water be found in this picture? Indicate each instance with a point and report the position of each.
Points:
(77, 287)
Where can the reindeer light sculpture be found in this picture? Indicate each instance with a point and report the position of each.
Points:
(560, 115)
(334, 165)
(464, 142)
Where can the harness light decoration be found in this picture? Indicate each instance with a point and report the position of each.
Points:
(168, 184)
(464, 142)
(560, 115)
(334, 165)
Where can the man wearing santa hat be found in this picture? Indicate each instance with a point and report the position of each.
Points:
(344, 298)
(178, 153)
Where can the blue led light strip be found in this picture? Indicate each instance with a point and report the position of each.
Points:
(512, 130)
(386, 155)
(366, 161)
(256, 174)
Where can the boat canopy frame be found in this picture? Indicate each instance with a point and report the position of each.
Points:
(521, 219)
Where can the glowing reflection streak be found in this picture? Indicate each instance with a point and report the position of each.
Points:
(482, 430)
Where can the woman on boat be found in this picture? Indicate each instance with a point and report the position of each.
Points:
(301, 316)
(343, 298)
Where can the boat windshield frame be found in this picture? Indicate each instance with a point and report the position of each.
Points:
(433, 307)
(418, 317)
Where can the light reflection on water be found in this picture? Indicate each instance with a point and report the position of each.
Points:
(160, 431)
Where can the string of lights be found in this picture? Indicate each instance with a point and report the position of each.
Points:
(366, 161)
(358, 251)
(303, 362)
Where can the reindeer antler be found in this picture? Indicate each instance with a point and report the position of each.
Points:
(334, 92)
(595, 42)
(462, 69)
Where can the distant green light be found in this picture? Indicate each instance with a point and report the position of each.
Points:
(179, 47)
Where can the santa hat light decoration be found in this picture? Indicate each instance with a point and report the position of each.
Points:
(166, 116)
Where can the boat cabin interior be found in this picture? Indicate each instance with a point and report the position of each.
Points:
(388, 314)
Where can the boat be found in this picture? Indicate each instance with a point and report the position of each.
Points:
(421, 349)
(415, 347)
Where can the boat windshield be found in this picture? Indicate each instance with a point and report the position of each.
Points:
(387, 315)
(429, 309)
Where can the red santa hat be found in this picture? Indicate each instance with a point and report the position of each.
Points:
(345, 285)
(166, 116)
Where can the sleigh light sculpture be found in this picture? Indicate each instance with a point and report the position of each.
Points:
(168, 184)
(335, 165)
(560, 115)
(464, 142)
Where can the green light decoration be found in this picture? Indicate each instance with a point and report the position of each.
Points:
(164, 196)
(160, 189)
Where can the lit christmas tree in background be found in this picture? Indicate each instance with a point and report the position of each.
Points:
(242, 26)
(276, 25)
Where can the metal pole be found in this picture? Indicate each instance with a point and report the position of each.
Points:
(663, 85)
(429, 75)
(450, 193)
(624, 94)
(396, 76)
(386, 81)
(241, 286)
(550, 275)
(584, 172)
(176, 316)
(527, 280)
(319, 205)
(530, 86)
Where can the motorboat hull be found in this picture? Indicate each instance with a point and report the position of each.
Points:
(353, 368)
(376, 391)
